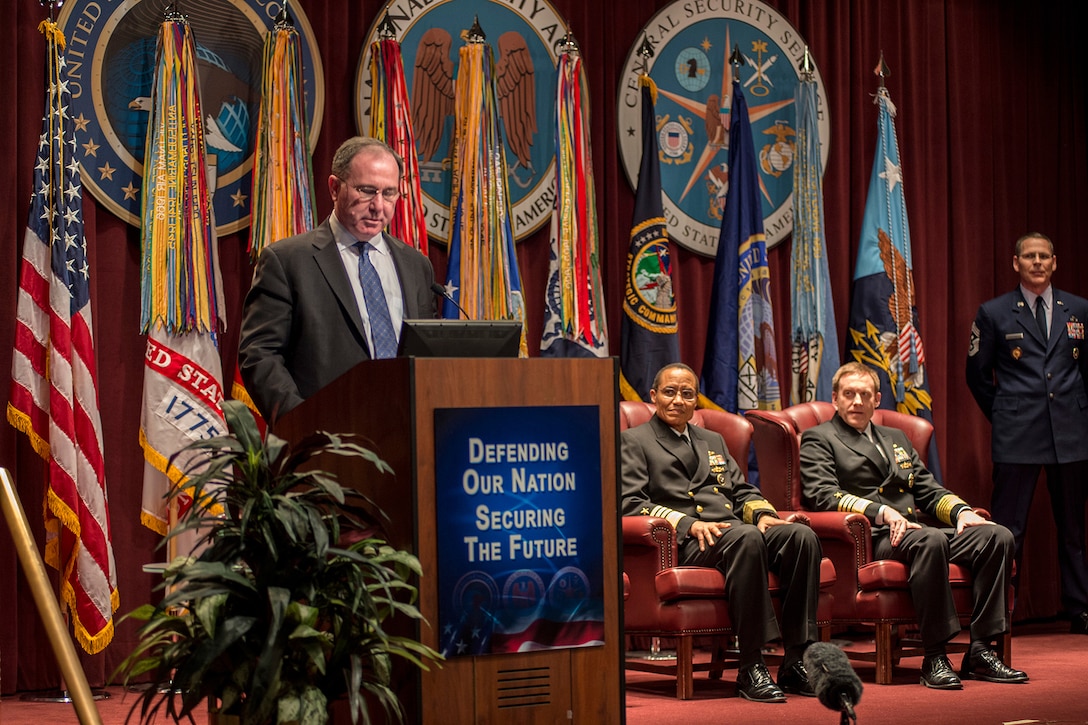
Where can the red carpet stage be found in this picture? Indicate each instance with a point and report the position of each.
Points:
(1056, 661)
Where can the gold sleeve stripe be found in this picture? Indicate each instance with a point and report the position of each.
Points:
(854, 504)
(944, 507)
(670, 515)
(751, 507)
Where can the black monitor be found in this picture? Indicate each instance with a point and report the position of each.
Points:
(460, 338)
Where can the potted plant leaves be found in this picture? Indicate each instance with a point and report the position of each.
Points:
(283, 605)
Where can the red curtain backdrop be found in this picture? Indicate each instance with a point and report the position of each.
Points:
(991, 98)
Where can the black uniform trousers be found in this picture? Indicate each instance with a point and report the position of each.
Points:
(1014, 488)
(985, 550)
(744, 556)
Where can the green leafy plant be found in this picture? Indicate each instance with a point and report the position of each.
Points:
(283, 605)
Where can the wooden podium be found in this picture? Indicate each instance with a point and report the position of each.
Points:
(393, 404)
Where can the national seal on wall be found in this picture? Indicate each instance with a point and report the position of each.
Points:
(692, 45)
(526, 38)
(110, 52)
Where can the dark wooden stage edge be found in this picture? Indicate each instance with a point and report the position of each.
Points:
(392, 402)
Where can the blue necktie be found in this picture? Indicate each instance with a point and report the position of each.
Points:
(381, 325)
(1040, 317)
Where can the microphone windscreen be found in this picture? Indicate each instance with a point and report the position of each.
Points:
(438, 289)
(831, 675)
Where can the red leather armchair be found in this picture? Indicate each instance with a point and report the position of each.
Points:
(665, 599)
(866, 591)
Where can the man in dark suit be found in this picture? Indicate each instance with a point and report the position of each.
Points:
(1028, 369)
(315, 310)
(849, 464)
(685, 475)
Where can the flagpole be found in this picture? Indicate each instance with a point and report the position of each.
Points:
(55, 626)
(13, 510)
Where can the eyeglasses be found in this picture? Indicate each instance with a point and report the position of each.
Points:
(367, 193)
(1041, 256)
(688, 394)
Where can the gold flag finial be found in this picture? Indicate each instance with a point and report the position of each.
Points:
(807, 67)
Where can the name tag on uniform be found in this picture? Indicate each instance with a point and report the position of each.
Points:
(1014, 336)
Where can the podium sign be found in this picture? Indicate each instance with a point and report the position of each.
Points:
(449, 427)
(519, 536)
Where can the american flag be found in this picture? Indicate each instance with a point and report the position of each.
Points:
(54, 390)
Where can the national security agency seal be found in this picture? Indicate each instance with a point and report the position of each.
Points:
(692, 44)
(110, 53)
(525, 40)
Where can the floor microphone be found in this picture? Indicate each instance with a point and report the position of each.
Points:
(834, 680)
(440, 290)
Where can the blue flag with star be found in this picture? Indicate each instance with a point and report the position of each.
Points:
(884, 332)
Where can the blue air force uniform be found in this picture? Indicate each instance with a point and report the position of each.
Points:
(1034, 390)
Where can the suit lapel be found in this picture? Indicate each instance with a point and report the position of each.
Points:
(702, 453)
(676, 447)
(327, 257)
(1058, 319)
(1025, 317)
(858, 443)
(400, 264)
(885, 445)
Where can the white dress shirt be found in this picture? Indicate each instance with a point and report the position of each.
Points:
(382, 260)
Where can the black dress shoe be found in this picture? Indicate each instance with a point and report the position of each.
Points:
(986, 665)
(794, 680)
(937, 673)
(1079, 625)
(754, 683)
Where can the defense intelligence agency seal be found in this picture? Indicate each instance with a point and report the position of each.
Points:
(692, 44)
(111, 62)
(525, 38)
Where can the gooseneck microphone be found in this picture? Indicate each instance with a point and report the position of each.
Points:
(440, 290)
(834, 680)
